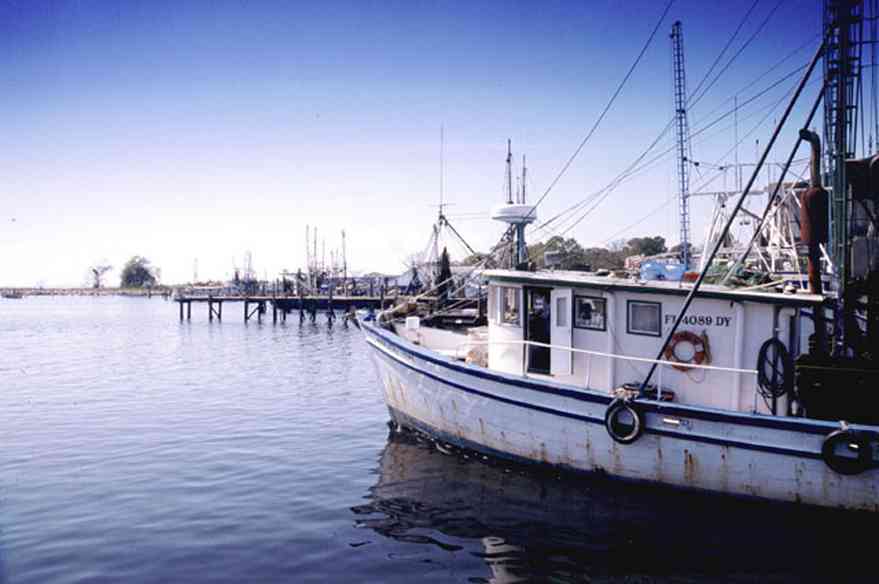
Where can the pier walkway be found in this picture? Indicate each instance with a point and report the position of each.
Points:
(257, 305)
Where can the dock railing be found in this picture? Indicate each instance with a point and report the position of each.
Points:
(662, 363)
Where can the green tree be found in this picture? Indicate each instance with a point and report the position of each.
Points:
(138, 273)
(598, 258)
(473, 259)
(648, 246)
(573, 256)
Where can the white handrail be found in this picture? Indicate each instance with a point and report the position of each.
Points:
(610, 355)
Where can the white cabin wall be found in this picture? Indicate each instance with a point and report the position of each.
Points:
(503, 355)
(736, 329)
(760, 328)
(594, 371)
(717, 319)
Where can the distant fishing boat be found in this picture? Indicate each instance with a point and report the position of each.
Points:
(13, 295)
(744, 391)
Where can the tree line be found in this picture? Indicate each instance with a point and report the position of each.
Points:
(570, 255)
(138, 272)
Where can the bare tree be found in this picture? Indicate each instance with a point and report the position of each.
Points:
(97, 274)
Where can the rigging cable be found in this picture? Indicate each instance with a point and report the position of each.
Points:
(607, 190)
(606, 107)
(650, 214)
(739, 52)
(722, 52)
(631, 168)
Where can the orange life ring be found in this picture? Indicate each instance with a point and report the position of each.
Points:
(700, 347)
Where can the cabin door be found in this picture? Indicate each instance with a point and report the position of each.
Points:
(562, 331)
(537, 325)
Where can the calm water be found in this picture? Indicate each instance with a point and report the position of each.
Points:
(135, 448)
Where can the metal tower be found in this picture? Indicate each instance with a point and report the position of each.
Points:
(842, 77)
(682, 132)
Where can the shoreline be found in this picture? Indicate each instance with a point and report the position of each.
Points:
(165, 291)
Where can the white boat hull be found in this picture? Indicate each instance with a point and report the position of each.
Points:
(760, 456)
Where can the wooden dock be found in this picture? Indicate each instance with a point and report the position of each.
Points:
(258, 305)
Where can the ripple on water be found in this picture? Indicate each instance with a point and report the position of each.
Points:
(137, 448)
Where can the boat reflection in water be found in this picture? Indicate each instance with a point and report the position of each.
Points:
(531, 524)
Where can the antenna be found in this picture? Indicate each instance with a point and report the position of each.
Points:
(682, 130)
(737, 174)
(442, 167)
(517, 216)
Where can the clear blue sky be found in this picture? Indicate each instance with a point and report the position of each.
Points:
(181, 130)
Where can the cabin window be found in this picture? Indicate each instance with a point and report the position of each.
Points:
(590, 313)
(561, 311)
(509, 305)
(644, 318)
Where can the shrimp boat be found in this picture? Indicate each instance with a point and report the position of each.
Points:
(748, 392)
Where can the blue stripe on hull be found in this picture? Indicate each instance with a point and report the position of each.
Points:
(590, 419)
(734, 418)
(416, 425)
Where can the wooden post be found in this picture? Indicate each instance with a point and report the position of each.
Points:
(189, 310)
(274, 312)
(181, 310)
(210, 309)
(246, 306)
(330, 314)
(220, 312)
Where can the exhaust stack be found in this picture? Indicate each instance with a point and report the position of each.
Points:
(813, 213)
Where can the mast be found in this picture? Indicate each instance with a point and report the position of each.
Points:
(442, 167)
(841, 71)
(509, 177)
(344, 265)
(682, 131)
(307, 252)
(725, 231)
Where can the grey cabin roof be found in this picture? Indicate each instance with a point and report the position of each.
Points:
(588, 280)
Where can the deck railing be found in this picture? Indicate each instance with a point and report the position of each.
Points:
(662, 363)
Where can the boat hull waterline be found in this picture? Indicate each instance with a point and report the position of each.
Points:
(767, 457)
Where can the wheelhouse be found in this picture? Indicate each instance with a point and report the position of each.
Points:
(603, 333)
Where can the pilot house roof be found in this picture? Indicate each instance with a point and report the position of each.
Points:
(568, 279)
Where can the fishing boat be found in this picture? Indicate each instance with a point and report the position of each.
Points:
(13, 295)
(744, 391)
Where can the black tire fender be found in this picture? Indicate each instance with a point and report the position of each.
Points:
(622, 432)
(842, 464)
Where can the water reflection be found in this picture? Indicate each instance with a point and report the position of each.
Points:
(533, 525)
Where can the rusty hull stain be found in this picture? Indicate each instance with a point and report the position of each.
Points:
(689, 467)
